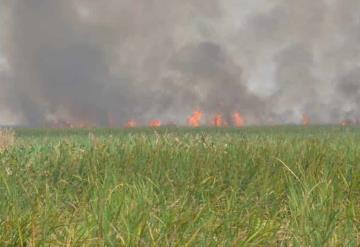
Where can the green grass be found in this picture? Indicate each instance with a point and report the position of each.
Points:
(271, 186)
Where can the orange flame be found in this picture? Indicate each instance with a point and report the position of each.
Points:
(218, 121)
(306, 120)
(239, 120)
(194, 119)
(131, 124)
(155, 123)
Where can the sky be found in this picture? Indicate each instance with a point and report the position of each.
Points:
(111, 61)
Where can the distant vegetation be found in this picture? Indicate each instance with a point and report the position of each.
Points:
(271, 186)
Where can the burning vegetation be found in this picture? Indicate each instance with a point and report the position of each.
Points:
(306, 120)
(131, 124)
(219, 121)
(155, 123)
(239, 120)
(197, 119)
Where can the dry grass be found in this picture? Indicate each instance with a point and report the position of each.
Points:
(7, 138)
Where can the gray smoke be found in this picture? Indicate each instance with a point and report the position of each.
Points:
(111, 61)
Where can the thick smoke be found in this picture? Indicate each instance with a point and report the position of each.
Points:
(313, 46)
(110, 61)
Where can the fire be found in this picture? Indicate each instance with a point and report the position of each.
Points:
(194, 119)
(306, 120)
(131, 124)
(218, 121)
(155, 123)
(346, 122)
(239, 120)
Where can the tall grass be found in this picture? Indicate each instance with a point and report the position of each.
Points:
(177, 187)
(7, 138)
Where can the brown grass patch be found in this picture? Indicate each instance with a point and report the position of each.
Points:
(7, 138)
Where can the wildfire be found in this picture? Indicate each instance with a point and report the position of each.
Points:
(131, 124)
(218, 121)
(347, 122)
(306, 120)
(239, 120)
(155, 123)
(195, 118)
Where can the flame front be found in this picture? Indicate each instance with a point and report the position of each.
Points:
(306, 120)
(239, 120)
(195, 119)
(218, 121)
(155, 123)
(131, 124)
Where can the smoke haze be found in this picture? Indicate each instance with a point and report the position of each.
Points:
(91, 61)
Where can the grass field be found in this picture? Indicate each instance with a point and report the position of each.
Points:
(271, 186)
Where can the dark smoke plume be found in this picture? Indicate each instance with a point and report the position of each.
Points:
(92, 61)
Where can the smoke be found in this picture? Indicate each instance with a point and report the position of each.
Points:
(213, 73)
(89, 60)
(312, 45)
